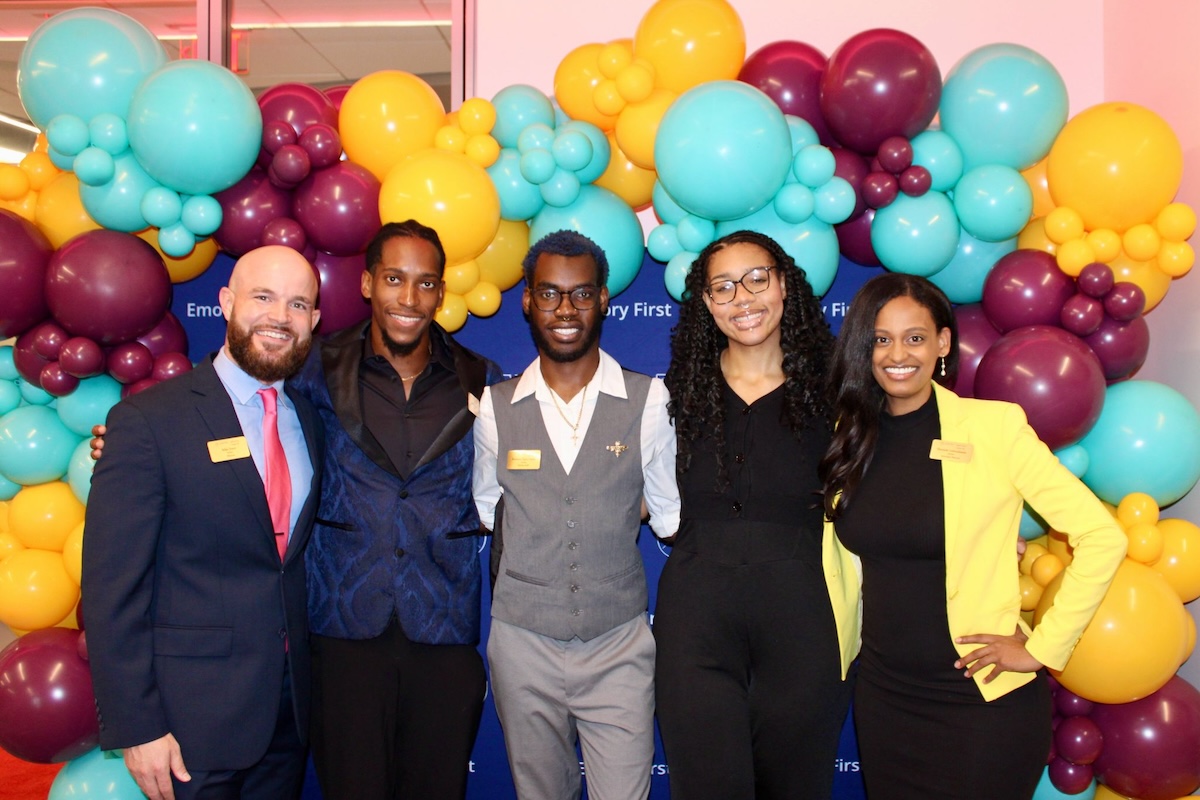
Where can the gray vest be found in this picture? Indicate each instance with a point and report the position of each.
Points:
(571, 565)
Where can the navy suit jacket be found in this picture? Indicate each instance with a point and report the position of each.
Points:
(186, 602)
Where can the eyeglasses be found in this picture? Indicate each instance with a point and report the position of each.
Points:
(546, 298)
(755, 281)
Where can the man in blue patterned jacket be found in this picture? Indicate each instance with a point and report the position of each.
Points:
(394, 577)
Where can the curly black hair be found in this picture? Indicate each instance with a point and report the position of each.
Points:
(694, 377)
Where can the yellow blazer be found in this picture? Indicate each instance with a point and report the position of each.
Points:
(983, 501)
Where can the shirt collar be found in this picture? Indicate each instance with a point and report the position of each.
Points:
(609, 379)
(242, 386)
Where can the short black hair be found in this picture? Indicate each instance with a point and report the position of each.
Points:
(566, 243)
(410, 228)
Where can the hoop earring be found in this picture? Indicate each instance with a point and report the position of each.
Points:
(943, 359)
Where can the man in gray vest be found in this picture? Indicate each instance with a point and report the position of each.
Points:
(569, 451)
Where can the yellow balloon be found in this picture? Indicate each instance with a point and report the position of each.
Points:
(575, 80)
(1175, 259)
(608, 98)
(1033, 551)
(72, 553)
(461, 278)
(1176, 222)
(35, 590)
(1141, 242)
(1105, 244)
(636, 82)
(9, 544)
(190, 266)
(1035, 176)
(614, 57)
(1189, 637)
(1105, 793)
(500, 263)
(42, 516)
(14, 183)
(1117, 164)
(1046, 569)
(483, 149)
(626, 179)
(26, 207)
(450, 137)
(1153, 281)
(1063, 224)
(1057, 544)
(690, 42)
(1073, 256)
(483, 300)
(60, 212)
(452, 314)
(1132, 646)
(448, 192)
(40, 169)
(387, 116)
(1145, 543)
(1031, 592)
(638, 126)
(477, 116)
(1180, 560)
(1033, 237)
(1137, 507)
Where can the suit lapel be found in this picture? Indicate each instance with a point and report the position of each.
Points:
(953, 429)
(341, 355)
(472, 377)
(310, 424)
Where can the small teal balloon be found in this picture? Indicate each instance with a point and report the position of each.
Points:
(937, 152)
(802, 132)
(604, 218)
(117, 205)
(723, 149)
(812, 244)
(195, 127)
(1032, 526)
(94, 775)
(561, 189)
(161, 206)
(916, 235)
(536, 137)
(1147, 439)
(663, 243)
(665, 206)
(696, 233)
(1074, 458)
(814, 165)
(835, 201)
(572, 150)
(201, 215)
(8, 367)
(33, 394)
(35, 446)
(517, 107)
(94, 167)
(108, 132)
(63, 162)
(993, 202)
(963, 278)
(537, 165)
(675, 275)
(85, 61)
(601, 149)
(519, 199)
(10, 396)
(89, 404)
(1003, 104)
(176, 240)
(68, 134)
(795, 203)
(1046, 790)
(79, 471)
(8, 489)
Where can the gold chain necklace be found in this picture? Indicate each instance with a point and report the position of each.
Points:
(578, 418)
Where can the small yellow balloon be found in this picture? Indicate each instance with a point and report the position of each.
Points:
(9, 544)
(35, 590)
(450, 137)
(614, 57)
(1057, 544)
(42, 516)
(1031, 592)
(387, 116)
(476, 117)
(575, 82)
(190, 266)
(1180, 560)
(690, 42)
(1175, 259)
(40, 169)
(638, 126)
(1046, 569)
(60, 213)
(25, 208)
(607, 97)
(1073, 256)
(483, 300)
(461, 278)
(1153, 282)
(452, 314)
(636, 82)
(1141, 242)
(1137, 507)
(1063, 225)
(1176, 222)
(1145, 543)
(14, 183)
(500, 263)
(1035, 176)
(1033, 551)
(1033, 237)
(72, 553)
(626, 179)
(482, 149)
(1105, 244)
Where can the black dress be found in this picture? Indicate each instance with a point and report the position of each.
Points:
(924, 731)
(748, 681)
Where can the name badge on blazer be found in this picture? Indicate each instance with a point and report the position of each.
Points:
(228, 449)
(524, 459)
(959, 452)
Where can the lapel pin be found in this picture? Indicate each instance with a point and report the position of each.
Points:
(616, 448)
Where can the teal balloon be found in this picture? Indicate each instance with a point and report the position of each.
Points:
(33, 394)
(604, 218)
(993, 202)
(89, 404)
(1003, 104)
(1032, 525)
(537, 165)
(675, 275)
(201, 215)
(665, 206)
(94, 166)
(561, 189)
(10, 396)
(117, 204)
(1074, 458)
(517, 107)
(8, 489)
(812, 244)
(572, 150)
(916, 235)
(538, 136)
(802, 132)
(8, 367)
(795, 203)
(663, 243)
(176, 240)
(161, 207)
(1046, 790)
(937, 152)
(696, 233)
(79, 471)
(68, 134)
(85, 61)
(195, 127)
(814, 165)
(64, 162)
(835, 201)
(519, 199)
(1147, 439)
(95, 775)
(35, 446)
(963, 278)
(723, 149)
(601, 149)
(108, 132)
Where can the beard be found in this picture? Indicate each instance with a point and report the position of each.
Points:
(266, 367)
(555, 352)
(398, 349)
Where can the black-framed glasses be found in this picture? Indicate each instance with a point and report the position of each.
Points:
(755, 281)
(546, 298)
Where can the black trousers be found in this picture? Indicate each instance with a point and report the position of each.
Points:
(394, 719)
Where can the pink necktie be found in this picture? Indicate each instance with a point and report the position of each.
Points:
(278, 480)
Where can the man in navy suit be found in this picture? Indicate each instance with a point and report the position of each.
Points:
(193, 580)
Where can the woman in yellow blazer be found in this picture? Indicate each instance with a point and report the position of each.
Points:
(927, 488)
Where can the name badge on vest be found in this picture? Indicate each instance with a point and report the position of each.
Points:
(959, 452)
(524, 459)
(228, 449)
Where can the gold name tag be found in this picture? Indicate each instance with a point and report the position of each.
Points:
(524, 459)
(228, 449)
(951, 451)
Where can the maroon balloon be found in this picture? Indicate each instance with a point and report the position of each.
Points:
(1122, 347)
(1069, 778)
(895, 154)
(915, 181)
(1081, 314)
(1078, 740)
(790, 74)
(138, 387)
(57, 381)
(47, 707)
(879, 189)
(852, 168)
(168, 336)
(277, 134)
(247, 208)
(1070, 704)
(81, 647)
(107, 286)
(1051, 374)
(1151, 748)
(1095, 280)
(1125, 302)
(81, 357)
(854, 239)
(341, 301)
(26, 359)
(24, 255)
(297, 104)
(170, 365)
(323, 145)
(336, 93)
(48, 340)
(975, 336)
(289, 166)
(130, 362)
(879, 83)
(285, 232)
(1026, 287)
(339, 208)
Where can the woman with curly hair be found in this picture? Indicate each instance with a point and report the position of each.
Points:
(750, 679)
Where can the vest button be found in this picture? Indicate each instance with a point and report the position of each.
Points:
(399, 552)
(737, 507)
(570, 523)
(570, 501)
(740, 458)
(574, 587)
(404, 494)
(574, 568)
(574, 612)
(572, 545)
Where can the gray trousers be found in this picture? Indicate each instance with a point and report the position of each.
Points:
(549, 693)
